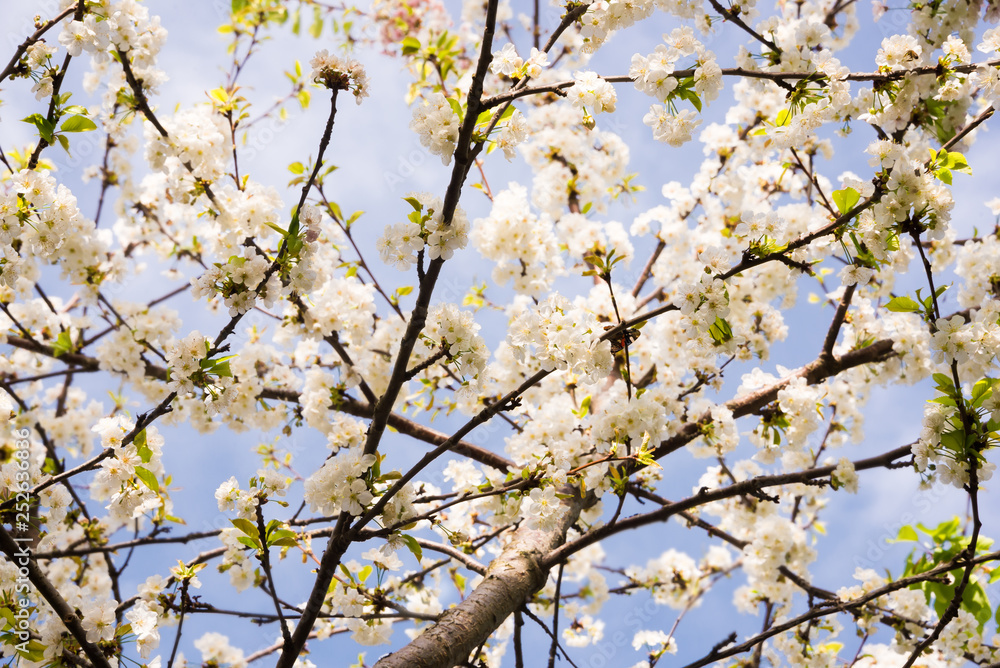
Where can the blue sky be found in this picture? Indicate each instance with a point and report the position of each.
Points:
(381, 160)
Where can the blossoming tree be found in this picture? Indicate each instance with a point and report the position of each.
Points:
(595, 387)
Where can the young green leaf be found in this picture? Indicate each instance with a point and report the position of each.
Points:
(78, 123)
(902, 305)
(148, 478)
(845, 199)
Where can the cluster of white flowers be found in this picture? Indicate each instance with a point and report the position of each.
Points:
(124, 25)
(978, 263)
(400, 243)
(99, 620)
(123, 477)
(581, 236)
(121, 351)
(437, 125)
(930, 448)
(513, 132)
(798, 401)
(215, 649)
(592, 93)
(239, 281)
(653, 73)
(583, 631)
(899, 52)
(674, 129)
(522, 244)
(570, 158)
(719, 437)
(236, 561)
(507, 63)
(775, 542)
(542, 510)
(449, 326)
(341, 304)
(674, 578)
(143, 620)
(757, 225)
(45, 218)
(247, 212)
(954, 340)
(339, 74)
(846, 476)
(196, 137)
(655, 641)
(703, 301)
(606, 16)
(316, 398)
(183, 358)
(464, 475)
(560, 335)
(338, 485)
(38, 59)
(637, 421)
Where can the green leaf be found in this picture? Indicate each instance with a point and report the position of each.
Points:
(975, 601)
(246, 526)
(364, 573)
(901, 304)
(954, 441)
(413, 546)
(783, 117)
(145, 454)
(249, 542)
(720, 331)
(42, 124)
(78, 123)
(35, 651)
(944, 383)
(943, 174)
(316, 27)
(980, 391)
(147, 477)
(62, 345)
(456, 106)
(906, 532)
(845, 199)
(410, 45)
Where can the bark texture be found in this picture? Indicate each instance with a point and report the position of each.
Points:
(510, 580)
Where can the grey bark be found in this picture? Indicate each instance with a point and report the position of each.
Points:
(510, 581)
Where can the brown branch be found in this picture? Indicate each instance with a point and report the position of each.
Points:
(346, 404)
(67, 615)
(830, 608)
(704, 496)
(880, 77)
(35, 36)
(516, 573)
(838, 321)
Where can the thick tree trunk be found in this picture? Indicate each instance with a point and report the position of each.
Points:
(511, 579)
